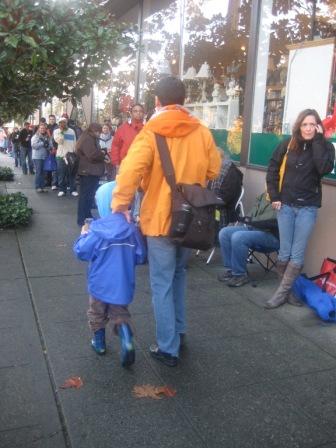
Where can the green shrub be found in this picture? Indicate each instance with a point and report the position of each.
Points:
(14, 210)
(6, 173)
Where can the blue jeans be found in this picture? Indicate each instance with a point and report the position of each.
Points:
(235, 242)
(168, 282)
(295, 227)
(24, 153)
(39, 173)
(54, 179)
(16, 150)
(65, 178)
(87, 189)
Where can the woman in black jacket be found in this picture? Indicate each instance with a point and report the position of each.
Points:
(91, 168)
(294, 185)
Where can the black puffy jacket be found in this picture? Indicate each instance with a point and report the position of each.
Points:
(304, 169)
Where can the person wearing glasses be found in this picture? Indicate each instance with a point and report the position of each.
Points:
(294, 186)
(125, 135)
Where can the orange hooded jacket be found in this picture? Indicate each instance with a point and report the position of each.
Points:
(194, 156)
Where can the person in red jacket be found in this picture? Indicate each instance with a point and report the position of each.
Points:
(125, 135)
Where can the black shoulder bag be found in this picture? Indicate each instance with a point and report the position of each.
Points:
(193, 222)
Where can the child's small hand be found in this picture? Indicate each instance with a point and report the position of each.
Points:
(85, 229)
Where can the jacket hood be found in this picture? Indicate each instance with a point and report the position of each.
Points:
(112, 227)
(173, 121)
(104, 197)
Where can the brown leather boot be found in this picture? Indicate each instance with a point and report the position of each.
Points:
(280, 268)
(281, 294)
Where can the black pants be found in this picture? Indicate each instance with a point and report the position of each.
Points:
(88, 186)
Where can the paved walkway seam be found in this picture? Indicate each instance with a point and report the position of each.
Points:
(45, 352)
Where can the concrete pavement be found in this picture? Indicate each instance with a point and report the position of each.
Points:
(248, 378)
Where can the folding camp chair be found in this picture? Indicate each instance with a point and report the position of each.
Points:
(239, 210)
(265, 259)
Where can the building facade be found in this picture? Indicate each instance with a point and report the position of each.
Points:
(250, 66)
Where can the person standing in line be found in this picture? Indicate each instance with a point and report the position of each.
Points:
(105, 142)
(41, 146)
(3, 139)
(66, 142)
(52, 175)
(15, 139)
(91, 168)
(52, 125)
(125, 134)
(294, 186)
(25, 148)
(195, 159)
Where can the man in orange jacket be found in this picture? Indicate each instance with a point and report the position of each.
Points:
(195, 160)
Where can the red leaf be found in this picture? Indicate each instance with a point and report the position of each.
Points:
(155, 392)
(168, 391)
(74, 381)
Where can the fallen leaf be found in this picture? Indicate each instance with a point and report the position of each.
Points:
(155, 392)
(167, 391)
(74, 381)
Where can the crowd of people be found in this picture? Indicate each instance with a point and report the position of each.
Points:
(281, 220)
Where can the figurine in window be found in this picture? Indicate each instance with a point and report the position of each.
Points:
(217, 93)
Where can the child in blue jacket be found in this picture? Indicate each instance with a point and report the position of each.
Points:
(113, 247)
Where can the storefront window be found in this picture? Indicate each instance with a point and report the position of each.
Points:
(215, 37)
(117, 92)
(205, 43)
(160, 46)
(295, 69)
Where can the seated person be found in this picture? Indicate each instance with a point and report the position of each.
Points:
(259, 231)
(228, 186)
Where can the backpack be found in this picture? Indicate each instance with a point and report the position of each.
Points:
(228, 187)
(193, 223)
(72, 161)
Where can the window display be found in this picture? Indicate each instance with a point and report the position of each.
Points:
(161, 46)
(295, 69)
(284, 63)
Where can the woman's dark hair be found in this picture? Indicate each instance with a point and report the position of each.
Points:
(170, 90)
(93, 127)
(296, 139)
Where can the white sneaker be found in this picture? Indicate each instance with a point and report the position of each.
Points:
(74, 193)
(54, 187)
(60, 194)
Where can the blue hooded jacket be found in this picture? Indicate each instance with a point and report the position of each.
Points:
(113, 248)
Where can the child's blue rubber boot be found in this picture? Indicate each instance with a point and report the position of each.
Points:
(127, 354)
(98, 341)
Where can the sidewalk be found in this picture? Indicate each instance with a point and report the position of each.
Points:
(248, 378)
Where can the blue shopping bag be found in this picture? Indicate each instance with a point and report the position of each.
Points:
(321, 302)
(50, 163)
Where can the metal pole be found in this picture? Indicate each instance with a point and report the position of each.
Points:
(138, 56)
(312, 21)
(182, 16)
(250, 80)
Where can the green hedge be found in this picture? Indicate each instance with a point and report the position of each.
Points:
(14, 210)
(6, 173)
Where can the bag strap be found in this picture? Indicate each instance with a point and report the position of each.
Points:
(166, 162)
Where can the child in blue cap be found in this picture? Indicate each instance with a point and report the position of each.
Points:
(113, 247)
